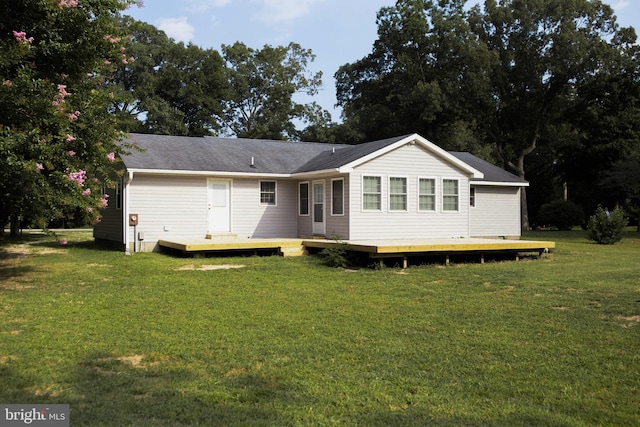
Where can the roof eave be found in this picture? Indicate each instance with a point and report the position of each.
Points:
(500, 183)
(256, 174)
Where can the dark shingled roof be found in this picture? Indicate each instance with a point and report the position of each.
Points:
(163, 152)
(492, 173)
(209, 154)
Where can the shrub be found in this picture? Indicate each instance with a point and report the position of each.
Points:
(561, 214)
(336, 255)
(606, 227)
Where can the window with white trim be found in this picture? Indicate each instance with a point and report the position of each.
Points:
(450, 195)
(397, 193)
(371, 193)
(303, 199)
(337, 196)
(427, 194)
(267, 192)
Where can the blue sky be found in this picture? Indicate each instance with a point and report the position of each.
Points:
(337, 31)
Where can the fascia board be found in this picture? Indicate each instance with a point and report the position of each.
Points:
(207, 173)
(499, 184)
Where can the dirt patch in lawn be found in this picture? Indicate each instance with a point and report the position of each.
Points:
(210, 267)
(629, 321)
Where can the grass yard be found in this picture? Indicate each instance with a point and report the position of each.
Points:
(151, 339)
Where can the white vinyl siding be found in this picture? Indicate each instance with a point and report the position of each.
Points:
(250, 219)
(427, 194)
(496, 212)
(397, 193)
(413, 162)
(168, 207)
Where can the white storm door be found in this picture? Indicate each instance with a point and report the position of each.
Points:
(219, 204)
(318, 208)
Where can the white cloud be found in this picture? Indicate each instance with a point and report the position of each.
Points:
(622, 4)
(177, 28)
(199, 6)
(278, 11)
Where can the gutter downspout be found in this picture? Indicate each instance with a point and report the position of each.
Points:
(125, 213)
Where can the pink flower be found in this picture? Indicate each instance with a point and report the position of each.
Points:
(21, 36)
(63, 241)
(39, 166)
(88, 209)
(68, 3)
(111, 157)
(72, 153)
(70, 138)
(42, 140)
(78, 177)
(8, 83)
(103, 202)
(86, 192)
(73, 117)
(107, 62)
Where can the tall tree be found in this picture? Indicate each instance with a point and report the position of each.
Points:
(426, 74)
(259, 103)
(546, 50)
(57, 138)
(168, 88)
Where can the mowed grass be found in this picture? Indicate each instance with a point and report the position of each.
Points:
(150, 339)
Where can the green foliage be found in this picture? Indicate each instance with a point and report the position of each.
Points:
(606, 228)
(170, 88)
(561, 214)
(259, 101)
(57, 139)
(336, 255)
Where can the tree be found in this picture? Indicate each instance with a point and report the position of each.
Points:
(426, 74)
(170, 88)
(57, 138)
(259, 102)
(546, 50)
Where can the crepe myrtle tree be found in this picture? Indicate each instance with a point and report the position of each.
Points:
(58, 142)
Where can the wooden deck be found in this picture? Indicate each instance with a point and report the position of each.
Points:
(400, 248)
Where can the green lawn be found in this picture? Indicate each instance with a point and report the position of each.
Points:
(149, 339)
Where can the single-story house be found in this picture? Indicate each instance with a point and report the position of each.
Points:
(403, 187)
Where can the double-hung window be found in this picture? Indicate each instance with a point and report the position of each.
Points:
(427, 194)
(397, 194)
(267, 192)
(371, 193)
(450, 195)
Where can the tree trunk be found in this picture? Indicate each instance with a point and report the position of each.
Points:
(15, 226)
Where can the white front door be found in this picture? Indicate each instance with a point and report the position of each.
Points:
(219, 203)
(318, 208)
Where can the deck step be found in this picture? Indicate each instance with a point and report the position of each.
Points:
(293, 250)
